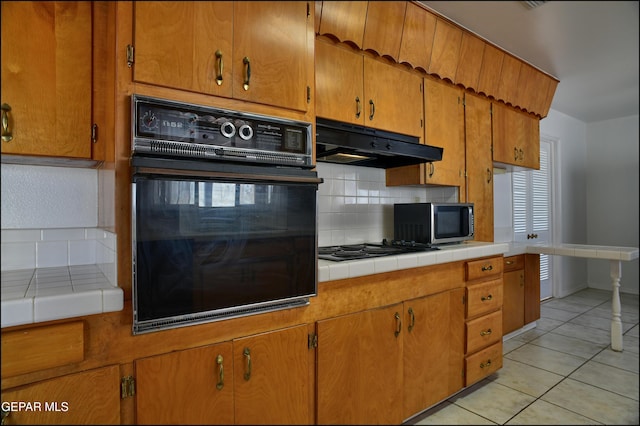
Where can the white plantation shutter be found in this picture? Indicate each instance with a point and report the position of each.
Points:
(532, 210)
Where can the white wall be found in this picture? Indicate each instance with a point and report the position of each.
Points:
(612, 196)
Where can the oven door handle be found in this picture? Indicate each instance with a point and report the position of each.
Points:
(252, 176)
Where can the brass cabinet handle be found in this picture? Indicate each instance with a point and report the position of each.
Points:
(485, 364)
(515, 154)
(372, 109)
(432, 169)
(220, 67)
(247, 354)
(413, 319)
(509, 262)
(247, 72)
(7, 135)
(398, 324)
(5, 414)
(521, 154)
(489, 175)
(486, 332)
(487, 268)
(485, 298)
(358, 107)
(220, 383)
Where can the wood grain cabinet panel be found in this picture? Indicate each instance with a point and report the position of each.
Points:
(446, 50)
(484, 363)
(484, 297)
(531, 287)
(484, 331)
(344, 20)
(383, 28)
(89, 397)
(509, 75)
(489, 78)
(470, 62)
(516, 137)
(479, 164)
(514, 290)
(417, 37)
(46, 79)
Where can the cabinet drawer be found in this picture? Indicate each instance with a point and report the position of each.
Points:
(484, 268)
(39, 348)
(484, 297)
(483, 363)
(513, 263)
(484, 331)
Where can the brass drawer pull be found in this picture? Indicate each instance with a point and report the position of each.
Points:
(485, 298)
(247, 354)
(485, 333)
(487, 364)
(487, 268)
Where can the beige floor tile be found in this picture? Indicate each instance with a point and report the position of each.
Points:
(496, 402)
(544, 413)
(566, 305)
(569, 345)
(556, 314)
(625, 360)
(511, 345)
(525, 378)
(548, 324)
(589, 334)
(595, 403)
(622, 382)
(546, 359)
(451, 414)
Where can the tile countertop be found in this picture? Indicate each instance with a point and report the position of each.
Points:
(45, 294)
(329, 270)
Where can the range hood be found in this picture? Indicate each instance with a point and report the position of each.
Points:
(343, 143)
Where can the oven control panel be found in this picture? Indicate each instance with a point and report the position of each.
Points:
(176, 129)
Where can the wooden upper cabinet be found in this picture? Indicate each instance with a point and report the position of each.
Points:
(417, 37)
(383, 28)
(444, 127)
(528, 88)
(270, 53)
(516, 137)
(344, 20)
(508, 85)
(489, 78)
(252, 51)
(184, 45)
(470, 63)
(477, 121)
(339, 83)
(446, 50)
(393, 98)
(46, 79)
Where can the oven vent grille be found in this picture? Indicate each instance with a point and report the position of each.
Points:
(210, 316)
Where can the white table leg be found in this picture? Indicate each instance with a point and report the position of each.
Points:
(616, 319)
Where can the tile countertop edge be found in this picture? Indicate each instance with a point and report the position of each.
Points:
(329, 271)
(31, 310)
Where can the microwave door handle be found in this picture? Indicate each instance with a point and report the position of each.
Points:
(252, 177)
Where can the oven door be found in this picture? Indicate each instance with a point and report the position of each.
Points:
(221, 242)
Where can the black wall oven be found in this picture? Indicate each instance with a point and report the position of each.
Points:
(221, 228)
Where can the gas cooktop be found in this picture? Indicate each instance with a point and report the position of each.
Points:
(369, 250)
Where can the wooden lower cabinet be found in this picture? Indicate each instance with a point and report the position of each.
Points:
(359, 367)
(521, 291)
(433, 333)
(88, 397)
(258, 379)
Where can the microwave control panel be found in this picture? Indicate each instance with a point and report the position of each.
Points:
(170, 128)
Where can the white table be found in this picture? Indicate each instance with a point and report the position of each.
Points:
(615, 255)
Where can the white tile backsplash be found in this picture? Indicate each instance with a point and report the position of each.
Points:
(355, 205)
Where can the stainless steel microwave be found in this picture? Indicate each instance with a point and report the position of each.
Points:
(433, 223)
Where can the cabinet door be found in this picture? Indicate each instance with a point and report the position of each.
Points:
(271, 373)
(90, 397)
(477, 121)
(359, 368)
(417, 37)
(433, 330)
(513, 301)
(531, 287)
(270, 53)
(184, 45)
(393, 98)
(444, 127)
(192, 386)
(46, 79)
(344, 20)
(339, 85)
(446, 50)
(516, 137)
(383, 27)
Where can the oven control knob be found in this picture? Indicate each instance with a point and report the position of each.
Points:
(246, 132)
(228, 130)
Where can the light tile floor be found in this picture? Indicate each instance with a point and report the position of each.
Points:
(563, 372)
